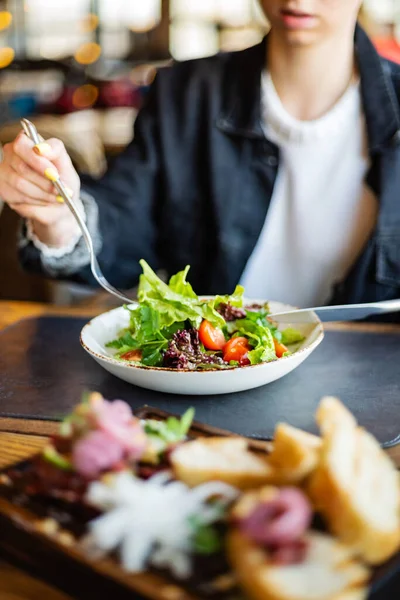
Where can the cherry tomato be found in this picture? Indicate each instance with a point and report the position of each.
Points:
(280, 349)
(134, 355)
(211, 337)
(236, 349)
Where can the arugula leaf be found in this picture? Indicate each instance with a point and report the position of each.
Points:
(52, 456)
(116, 344)
(152, 354)
(149, 322)
(125, 340)
(291, 336)
(187, 420)
(172, 430)
(206, 540)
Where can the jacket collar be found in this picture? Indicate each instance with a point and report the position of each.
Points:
(381, 106)
(241, 101)
(241, 93)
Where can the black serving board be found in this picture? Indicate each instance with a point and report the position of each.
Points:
(44, 370)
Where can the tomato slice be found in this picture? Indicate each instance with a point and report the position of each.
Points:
(211, 337)
(134, 355)
(280, 349)
(236, 349)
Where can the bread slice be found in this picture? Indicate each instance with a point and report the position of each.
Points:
(220, 459)
(329, 571)
(356, 486)
(294, 455)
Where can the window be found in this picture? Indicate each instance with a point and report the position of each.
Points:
(54, 29)
(204, 27)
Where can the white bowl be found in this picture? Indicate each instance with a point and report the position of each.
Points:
(104, 328)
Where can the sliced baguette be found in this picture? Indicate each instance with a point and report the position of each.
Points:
(356, 486)
(329, 571)
(220, 459)
(294, 455)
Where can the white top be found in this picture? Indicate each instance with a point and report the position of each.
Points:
(321, 212)
(51, 251)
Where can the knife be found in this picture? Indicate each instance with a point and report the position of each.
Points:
(341, 312)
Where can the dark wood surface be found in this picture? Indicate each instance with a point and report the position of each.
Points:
(14, 282)
(14, 584)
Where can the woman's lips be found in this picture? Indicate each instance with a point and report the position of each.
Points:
(293, 19)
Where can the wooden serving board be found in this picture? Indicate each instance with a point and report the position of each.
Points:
(66, 567)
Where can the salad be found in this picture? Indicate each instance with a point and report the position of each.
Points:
(172, 327)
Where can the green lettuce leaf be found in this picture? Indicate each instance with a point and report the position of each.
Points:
(164, 309)
(261, 333)
(260, 338)
(175, 302)
(235, 299)
(291, 336)
(207, 539)
(179, 285)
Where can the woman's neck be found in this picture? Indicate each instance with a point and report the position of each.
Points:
(310, 80)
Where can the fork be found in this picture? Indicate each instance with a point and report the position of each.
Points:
(31, 131)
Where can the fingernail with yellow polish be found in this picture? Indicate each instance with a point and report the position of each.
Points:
(43, 149)
(60, 199)
(51, 174)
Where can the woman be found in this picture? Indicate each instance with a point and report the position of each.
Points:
(278, 166)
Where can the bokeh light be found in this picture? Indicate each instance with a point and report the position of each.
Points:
(85, 96)
(6, 57)
(143, 15)
(193, 10)
(88, 53)
(89, 23)
(5, 19)
(190, 40)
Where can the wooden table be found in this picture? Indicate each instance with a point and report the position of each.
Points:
(15, 585)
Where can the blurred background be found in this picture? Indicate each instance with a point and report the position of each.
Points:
(80, 70)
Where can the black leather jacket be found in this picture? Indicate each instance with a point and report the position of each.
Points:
(195, 185)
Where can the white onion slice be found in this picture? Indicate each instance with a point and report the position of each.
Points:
(149, 520)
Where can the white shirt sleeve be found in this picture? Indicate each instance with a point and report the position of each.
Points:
(52, 251)
(68, 260)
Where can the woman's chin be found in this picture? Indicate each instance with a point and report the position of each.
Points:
(300, 37)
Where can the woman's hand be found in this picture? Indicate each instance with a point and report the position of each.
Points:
(25, 185)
